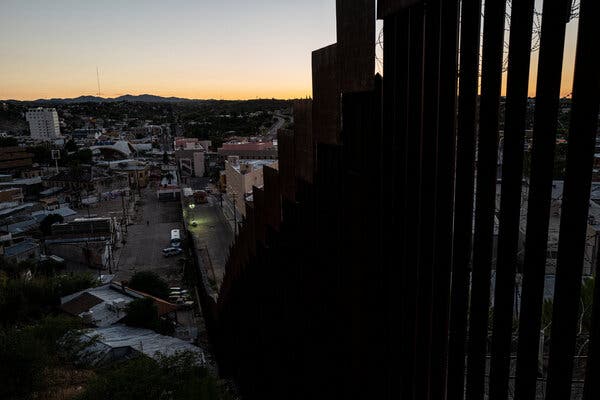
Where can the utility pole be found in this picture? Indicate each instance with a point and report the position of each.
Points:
(110, 258)
(124, 219)
(234, 196)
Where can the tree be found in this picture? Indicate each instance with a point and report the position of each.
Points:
(71, 146)
(142, 313)
(42, 154)
(84, 156)
(48, 221)
(25, 299)
(149, 282)
(8, 142)
(27, 351)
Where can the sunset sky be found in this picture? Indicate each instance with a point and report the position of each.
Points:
(226, 49)
(186, 48)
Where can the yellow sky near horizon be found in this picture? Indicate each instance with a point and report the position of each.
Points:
(190, 49)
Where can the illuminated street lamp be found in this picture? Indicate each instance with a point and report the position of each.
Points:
(192, 206)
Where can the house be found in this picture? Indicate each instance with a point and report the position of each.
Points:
(85, 242)
(15, 159)
(138, 172)
(88, 184)
(30, 187)
(241, 176)
(11, 195)
(120, 342)
(26, 250)
(106, 305)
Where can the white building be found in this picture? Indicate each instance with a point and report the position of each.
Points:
(43, 123)
(189, 153)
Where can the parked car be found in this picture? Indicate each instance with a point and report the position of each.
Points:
(172, 251)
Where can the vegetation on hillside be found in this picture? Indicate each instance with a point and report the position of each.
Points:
(175, 377)
(39, 347)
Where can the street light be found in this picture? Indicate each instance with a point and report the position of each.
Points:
(192, 206)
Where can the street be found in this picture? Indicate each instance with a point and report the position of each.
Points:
(213, 233)
(149, 234)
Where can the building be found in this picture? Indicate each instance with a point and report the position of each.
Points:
(86, 133)
(121, 342)
(15, 159)
(114, 150)
(90, 185)
(30, 187)
(241, 176)
(11, 195)
(26, 250)
(190, 156)
(191, 162)
(85, 242)
(183, 143)
(249, 150)
(43, 123)
(138, 172)
(214, 163)
(105, 305)
(168, 188)
(19, 226)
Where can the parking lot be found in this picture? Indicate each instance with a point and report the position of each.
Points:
(148, 236)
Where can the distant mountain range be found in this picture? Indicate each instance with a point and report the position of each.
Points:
(146, 98)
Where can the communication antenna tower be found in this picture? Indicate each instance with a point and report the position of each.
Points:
(98, 80)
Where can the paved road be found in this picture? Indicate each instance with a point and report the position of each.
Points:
(277, 125)
(143, 250)
(212, 232)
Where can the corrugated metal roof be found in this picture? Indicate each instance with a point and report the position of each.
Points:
(103, 313)
(20, 248)
(63, 212)
(144, 341)
(8, 211)
(21, 226)
(50, 191)
(80, 304)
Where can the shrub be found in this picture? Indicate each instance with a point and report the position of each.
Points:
(149, 282)
(142, 313)
(27, 351)
(22, 300)
(48, 221)
(174, 377)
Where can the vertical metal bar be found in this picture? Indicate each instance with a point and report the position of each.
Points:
(412, 204)
(510, 203)
(463, 208)
(542, 161)
(428, 195)
(393, 165)
(491, 80)
(591, 388)
(575, 203)
(446, 146)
